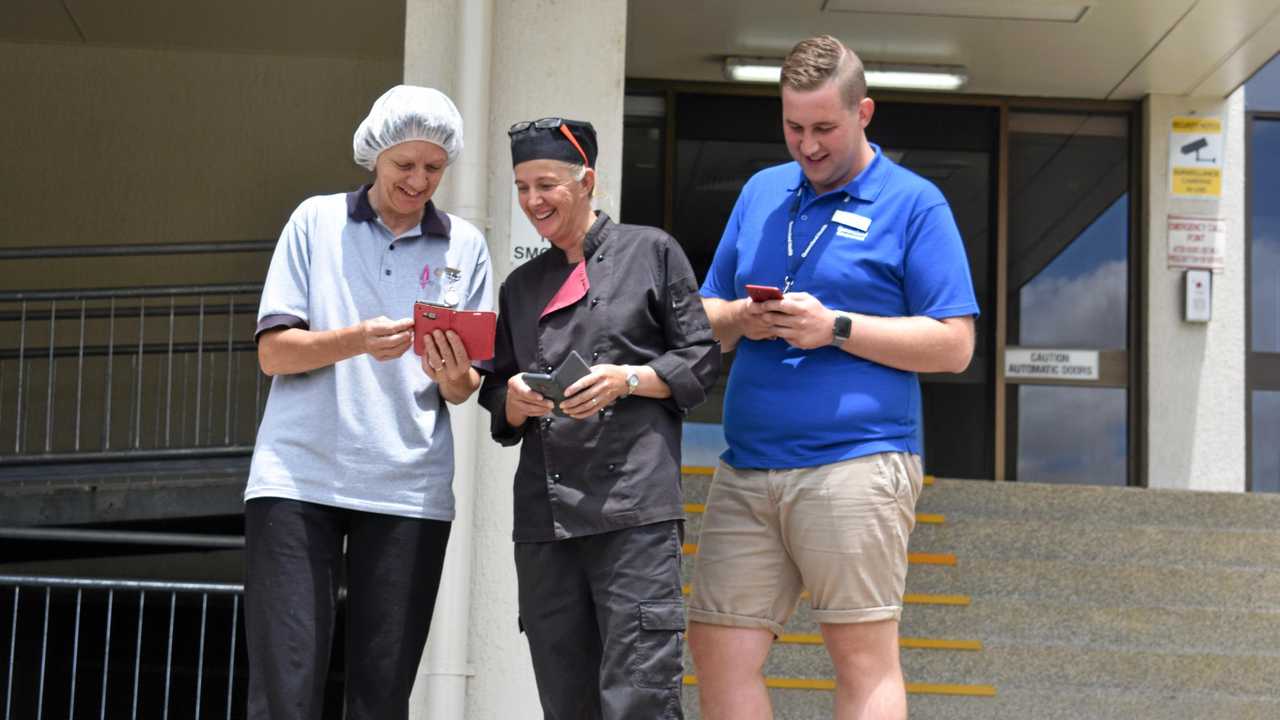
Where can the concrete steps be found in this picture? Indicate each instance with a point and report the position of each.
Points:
(1071, 602)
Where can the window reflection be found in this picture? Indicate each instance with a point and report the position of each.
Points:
(1266, 452)
(1264, 187)
(1068, 288)
(1072, 435)
(1079, 299)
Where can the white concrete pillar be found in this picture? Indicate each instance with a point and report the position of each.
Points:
(1195, 372)
(548, 58)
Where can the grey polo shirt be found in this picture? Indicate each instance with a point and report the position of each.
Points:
(363, 434)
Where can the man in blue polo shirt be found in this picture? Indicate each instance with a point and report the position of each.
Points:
(818, 487)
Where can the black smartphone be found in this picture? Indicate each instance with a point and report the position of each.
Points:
(552, 386)
(544, 385)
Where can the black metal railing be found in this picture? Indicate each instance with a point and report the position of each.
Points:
(84, 647)
(129, 373)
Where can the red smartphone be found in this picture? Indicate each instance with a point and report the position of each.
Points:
(476, 328)
(761, 293)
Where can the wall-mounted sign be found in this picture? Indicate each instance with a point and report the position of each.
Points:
(525, 243)
(1197, 242)
(1048, 364)
(1195, 157)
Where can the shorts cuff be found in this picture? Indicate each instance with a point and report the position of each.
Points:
(743, 621)
(846, 617)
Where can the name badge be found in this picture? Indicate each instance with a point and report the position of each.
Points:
(844, 232)
(853, 220)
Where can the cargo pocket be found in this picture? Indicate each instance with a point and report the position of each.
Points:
(657, 662)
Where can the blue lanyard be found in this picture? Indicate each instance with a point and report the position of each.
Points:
(790, 279)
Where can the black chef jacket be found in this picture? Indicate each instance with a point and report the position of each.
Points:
(620, 467)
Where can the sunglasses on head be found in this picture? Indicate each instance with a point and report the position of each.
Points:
(549, 124)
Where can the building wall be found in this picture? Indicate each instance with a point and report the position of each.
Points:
(1195, 371)
(115, 145)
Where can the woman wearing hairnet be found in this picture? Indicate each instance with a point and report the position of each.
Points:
(598, 505)
(352, 472)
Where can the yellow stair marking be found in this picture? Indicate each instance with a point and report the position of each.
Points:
(909, 598)
(928, 479)
(931, 558)
(695, 508)
(912, 558)
(913, 688)
(905, 642)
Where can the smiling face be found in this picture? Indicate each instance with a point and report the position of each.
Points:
(557, 204)
(405, 177)
(826, 136)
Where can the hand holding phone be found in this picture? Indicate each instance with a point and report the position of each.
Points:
(552, 385)
(763, 293)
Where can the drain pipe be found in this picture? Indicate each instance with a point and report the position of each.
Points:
(442, 677)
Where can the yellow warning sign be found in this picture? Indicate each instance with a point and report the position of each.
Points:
(1197, 182)
(1195, 157)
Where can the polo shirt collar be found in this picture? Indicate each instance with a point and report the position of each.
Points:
(434, 221)
(866, 185)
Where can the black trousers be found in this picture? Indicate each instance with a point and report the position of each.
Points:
(294, 565)
(605, 621)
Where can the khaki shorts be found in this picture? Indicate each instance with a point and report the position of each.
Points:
(839, 530)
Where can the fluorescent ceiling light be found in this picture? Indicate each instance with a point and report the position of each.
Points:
(879, 75)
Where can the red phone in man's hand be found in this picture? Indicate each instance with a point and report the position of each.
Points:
(762, 293)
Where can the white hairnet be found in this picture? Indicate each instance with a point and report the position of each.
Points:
(404, 113)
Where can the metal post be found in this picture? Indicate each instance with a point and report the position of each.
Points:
(53, 371)
(106, 656)
(79, 374)
(22, 363)
(44, 654)
(75, 654)
(111, 346)
(168, 653)
(137, 656)
(13, 639)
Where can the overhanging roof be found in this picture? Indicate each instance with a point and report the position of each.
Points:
(1099, 49)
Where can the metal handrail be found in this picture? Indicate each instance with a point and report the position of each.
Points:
(135, 249)
(119, 584)
(129, 293)
(120, 537)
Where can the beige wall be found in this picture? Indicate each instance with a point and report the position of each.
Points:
(115, 145)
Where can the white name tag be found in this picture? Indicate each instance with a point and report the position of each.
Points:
(844, 232)
(853, 220)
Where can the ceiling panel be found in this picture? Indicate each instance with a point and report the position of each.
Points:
(1050, 10)
(1206, 38)
(1095, 57)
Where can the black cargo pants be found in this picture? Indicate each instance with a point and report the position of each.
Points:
(605, 621)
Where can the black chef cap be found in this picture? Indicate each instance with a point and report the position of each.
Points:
(545, 140)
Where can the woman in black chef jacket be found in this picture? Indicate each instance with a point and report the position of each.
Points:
(598, 502)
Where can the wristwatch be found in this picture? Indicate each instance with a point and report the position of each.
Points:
(633, 380)
(841, 329)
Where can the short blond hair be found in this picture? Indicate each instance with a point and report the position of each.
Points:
(817, 60)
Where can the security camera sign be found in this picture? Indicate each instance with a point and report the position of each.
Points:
(1195, 157)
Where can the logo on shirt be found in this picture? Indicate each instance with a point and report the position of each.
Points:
(425, 279)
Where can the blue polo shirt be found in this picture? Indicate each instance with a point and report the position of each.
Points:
(891, 248)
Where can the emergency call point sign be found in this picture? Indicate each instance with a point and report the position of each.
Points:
(1197, 243)
(1195, 157)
